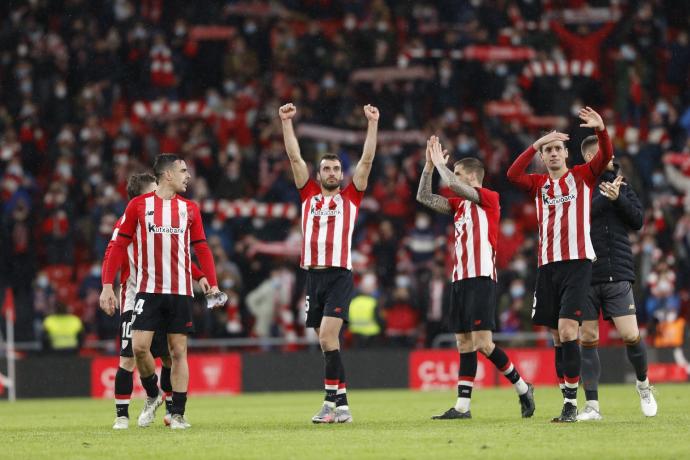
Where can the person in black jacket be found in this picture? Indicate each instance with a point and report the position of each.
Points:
(616, 210)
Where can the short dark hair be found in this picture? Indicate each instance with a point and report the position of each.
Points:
(330, 156)
(137, 182)
(472, 165)
(164, 161)
(588, 142)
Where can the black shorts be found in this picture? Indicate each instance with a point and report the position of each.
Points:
(159, 345)
(472, 305)
(163, 312)
(562, 292)
(612, 299)
(329, 293)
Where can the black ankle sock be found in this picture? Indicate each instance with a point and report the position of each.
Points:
(166, 386)
(466, 374)
(500, 359)
(332, 365)
(150, 384)
(637, 355)
(571, 368)
(179, 402)
(123, 391)
(591, 371)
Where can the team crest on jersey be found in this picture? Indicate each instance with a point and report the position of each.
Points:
(570, 180)
(461, 221)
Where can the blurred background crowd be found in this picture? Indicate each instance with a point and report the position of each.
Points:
(92, 90)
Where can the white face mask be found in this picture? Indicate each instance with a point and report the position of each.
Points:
(508, 229)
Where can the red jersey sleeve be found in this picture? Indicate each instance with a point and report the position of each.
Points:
(517, 172)
(197, 274)
(351, 193)
(118, 246)
(197, 238)
(310, 189)
(488, 199)
(196, 228)
(454, 203)
(591, 171)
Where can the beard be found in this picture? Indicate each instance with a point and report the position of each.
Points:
(330, 186)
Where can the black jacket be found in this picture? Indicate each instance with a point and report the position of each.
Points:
(611, 222)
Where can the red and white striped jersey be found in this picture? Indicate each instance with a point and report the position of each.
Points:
(563, 214)
(128, 284)
(476, 235)
(563, 205)
(327, 225)
(162, 232)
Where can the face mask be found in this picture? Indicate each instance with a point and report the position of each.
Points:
(520, 266)
(229, 86)
(422, 223)
(65, 170)
(517, 290)
(657, 180)
(60, 91)
(400, 123)
(350, 23)
(508, 229)
(328, 83)
(42, 281)
(402, 281)
(95, 271)
(249, 28)
(227, 283)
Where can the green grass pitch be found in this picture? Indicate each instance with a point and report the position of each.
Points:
(391, 424)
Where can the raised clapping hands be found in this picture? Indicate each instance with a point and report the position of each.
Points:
(371, 112)
(591, 119)
(439, 157)
(288, 111)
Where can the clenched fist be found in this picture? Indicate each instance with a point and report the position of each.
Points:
(371, 112)
(287, 112)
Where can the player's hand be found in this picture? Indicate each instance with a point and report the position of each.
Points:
(428, 152)
(438, 156)
(287, 112)
(591, 119)
(550, 137)
(204, 285)
(611, 190)
(108, 300)
(212, 290)
(371, 112)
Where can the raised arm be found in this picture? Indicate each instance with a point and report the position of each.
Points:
(424, 195)
(299, 167)
(601, 159)
(439, 157)
(363, 168)
(517, 173)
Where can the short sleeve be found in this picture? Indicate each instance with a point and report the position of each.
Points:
(351, 193)
(128, 222)
(196, 229)
(488, 198)
(310, 189)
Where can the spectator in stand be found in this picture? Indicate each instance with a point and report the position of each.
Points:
(663, 303)
(63, 331)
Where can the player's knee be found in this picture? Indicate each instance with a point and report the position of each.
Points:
(127, 364)
(178, 352)
(589, 335)
(485, 347)
(140, 350)
(630, 337)
(466, 347)
(567, 333)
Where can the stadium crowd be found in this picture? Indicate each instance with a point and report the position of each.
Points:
(91, 91)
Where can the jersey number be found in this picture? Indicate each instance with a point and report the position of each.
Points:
(306, 305)
(139, 307)
(127, 329)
